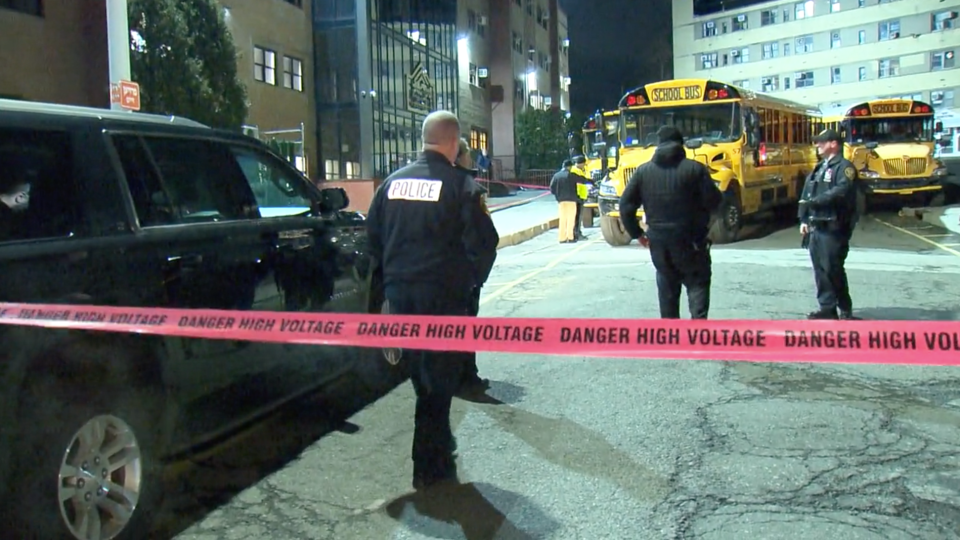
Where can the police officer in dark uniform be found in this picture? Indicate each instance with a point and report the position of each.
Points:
(828, 215)
(425, 223)
(679, 198)
(471, 382)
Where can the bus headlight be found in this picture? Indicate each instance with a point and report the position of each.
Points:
(867, 173)
(607, 189)
(941, 171)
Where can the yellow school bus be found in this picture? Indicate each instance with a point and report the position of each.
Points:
(892, 144)
(759, 148)
(603, 126)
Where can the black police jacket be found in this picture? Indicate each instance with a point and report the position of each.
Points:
(677, 194)
(427, 224)
(830, 195)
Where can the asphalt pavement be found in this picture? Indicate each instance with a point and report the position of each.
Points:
(585, 448)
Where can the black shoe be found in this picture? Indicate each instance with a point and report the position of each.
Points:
(473, 383)
(823, 314)
(444, 472)
(848, 316)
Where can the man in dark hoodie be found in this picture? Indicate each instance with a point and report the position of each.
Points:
(678, 198)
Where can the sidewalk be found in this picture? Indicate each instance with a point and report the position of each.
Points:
(524, 220)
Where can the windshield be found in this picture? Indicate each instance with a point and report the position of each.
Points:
(589, 137)
(713, 123)
(890, 130)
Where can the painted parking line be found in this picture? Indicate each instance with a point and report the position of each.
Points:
(530, 275)
(922, 238)
(938, 236)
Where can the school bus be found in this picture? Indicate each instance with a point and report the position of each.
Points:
(892, 143)
(759, 148)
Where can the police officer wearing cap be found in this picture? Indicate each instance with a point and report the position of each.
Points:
(679, 199)
(828, 215)
(471, 382)
(426, 226)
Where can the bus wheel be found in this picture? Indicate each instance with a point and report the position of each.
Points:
(613, 231)
(936, 199)
(728, 220)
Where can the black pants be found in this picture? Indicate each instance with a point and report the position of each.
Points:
(682, 264)
(577, 231)
(435, 377)
(828, 253)
(470, 370)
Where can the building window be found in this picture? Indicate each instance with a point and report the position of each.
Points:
(709, 29)
(293, 73)
(768, 17)
(834, 6)
(30, 7)
(835, 75)
(803, 79)
(861, 3)
(889, 30)
(473, 78)
(942, 60)
(863, 73)
(802, 10)
(264, 65)
(889, 68)
(478, 139)
(739, 22)
(835, 40)
(770, 50)
(942, 21)
(517, 43)
(804, 44)
(708, 61)
(745, 83)
(741, 56)
(862, 37)
(786, 83)
(942, 98)
(770, 84)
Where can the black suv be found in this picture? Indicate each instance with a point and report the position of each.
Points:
(122, 209)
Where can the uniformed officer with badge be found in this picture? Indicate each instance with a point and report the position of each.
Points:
(828, 215)
(425, 224)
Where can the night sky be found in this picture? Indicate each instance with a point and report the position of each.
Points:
(613, 48)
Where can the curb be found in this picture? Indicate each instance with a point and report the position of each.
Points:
(514, 204)
(529, 233)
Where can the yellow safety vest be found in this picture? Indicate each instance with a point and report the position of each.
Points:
(582, 189)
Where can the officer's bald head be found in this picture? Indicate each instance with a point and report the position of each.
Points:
(441, 133)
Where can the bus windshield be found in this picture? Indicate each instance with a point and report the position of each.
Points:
(589, 136)
(713, 123)
(890, 130)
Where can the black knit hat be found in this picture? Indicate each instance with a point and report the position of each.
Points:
(670, 134)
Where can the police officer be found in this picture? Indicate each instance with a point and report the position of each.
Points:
(425, 222)
(471, 382)
(828, 215)
(679, 198)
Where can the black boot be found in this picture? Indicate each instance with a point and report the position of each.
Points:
(824, 314)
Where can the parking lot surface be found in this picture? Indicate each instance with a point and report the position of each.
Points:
(583, 448)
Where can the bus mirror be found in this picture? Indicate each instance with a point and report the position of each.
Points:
(872, 145)
(938, 128)
(944, 142)
(693, 144)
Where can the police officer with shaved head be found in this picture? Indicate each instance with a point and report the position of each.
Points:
(828, 215)
(428, 228)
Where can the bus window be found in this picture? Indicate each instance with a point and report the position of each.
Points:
(714, 123)
(890, 130)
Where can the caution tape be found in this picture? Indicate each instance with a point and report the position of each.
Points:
(870, 342)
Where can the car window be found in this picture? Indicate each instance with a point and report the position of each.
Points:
(278, 190)
(38, 192)
(174, 180)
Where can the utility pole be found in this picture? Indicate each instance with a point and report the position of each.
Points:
(118, 46)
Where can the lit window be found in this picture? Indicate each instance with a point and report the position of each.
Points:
(293, 73)
(264, 65)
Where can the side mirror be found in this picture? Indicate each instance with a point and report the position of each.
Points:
(693, 144)
(938, 128)
(333, 200)
(944, 142)
(872, 145)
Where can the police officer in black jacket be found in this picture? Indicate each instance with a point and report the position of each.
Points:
(678, 198)
(828, 215)
(470, 381)
(426, 224)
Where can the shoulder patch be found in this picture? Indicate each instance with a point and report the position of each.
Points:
(415, 189)
(850, 172)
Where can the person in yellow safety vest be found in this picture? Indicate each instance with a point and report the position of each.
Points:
(583, 189)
